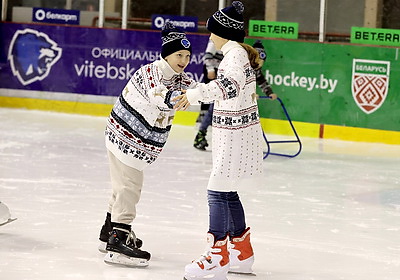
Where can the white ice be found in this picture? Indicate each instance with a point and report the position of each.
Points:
(331, 213)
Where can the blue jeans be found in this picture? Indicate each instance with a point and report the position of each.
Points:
(226, 214)
(207, 119)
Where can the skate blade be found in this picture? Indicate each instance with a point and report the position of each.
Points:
(204, 277)
(8, 221)
(203, 150)
(120, 259)
(242, 273)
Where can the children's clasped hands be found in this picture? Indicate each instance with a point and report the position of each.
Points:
(181, 102)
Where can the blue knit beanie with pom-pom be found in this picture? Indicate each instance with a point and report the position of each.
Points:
(173, 40)
(260, 48)
(228, 23)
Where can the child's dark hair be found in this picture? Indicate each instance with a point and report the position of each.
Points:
(254, 56)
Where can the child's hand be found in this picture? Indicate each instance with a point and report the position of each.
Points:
(181, 102)
(273, 96)
(211, 75)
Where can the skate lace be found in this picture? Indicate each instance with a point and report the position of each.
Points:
(206, 256)
(131, 239)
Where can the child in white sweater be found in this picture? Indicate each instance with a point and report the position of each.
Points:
(137, 130)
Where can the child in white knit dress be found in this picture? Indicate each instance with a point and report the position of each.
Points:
(237, 147)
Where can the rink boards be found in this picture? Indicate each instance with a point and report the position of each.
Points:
(340, 91)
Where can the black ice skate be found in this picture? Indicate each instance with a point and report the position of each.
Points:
(121, 248)
(200, 142)
(105, 234)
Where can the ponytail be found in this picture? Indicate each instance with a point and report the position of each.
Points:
(254, 56)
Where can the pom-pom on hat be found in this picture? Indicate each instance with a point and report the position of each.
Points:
(260, 48)
(228, 23)
(173, 40)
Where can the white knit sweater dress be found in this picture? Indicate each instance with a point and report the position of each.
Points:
(236, 134)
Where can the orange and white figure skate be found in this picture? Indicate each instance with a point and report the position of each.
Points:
(213, 264)
(241, 255)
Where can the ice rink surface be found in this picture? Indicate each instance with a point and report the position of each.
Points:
(331, 213)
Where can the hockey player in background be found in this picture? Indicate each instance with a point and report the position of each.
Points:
(137, 130)
(260, 78)
(212, 59)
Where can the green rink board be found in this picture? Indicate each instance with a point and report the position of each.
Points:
(315, 83)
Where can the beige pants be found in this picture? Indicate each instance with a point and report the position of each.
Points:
(126, 185)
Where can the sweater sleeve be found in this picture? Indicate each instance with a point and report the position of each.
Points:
(262, 83)
(209, 56)
(230, 79)
(147, 80)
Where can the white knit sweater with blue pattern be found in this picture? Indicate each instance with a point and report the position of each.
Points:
(139, 124)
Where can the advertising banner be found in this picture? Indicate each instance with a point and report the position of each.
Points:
(274, 29)
(55, 16)
(337, 84)
(334, 84)
(188, 24)
(81, 60)
(375, 36)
